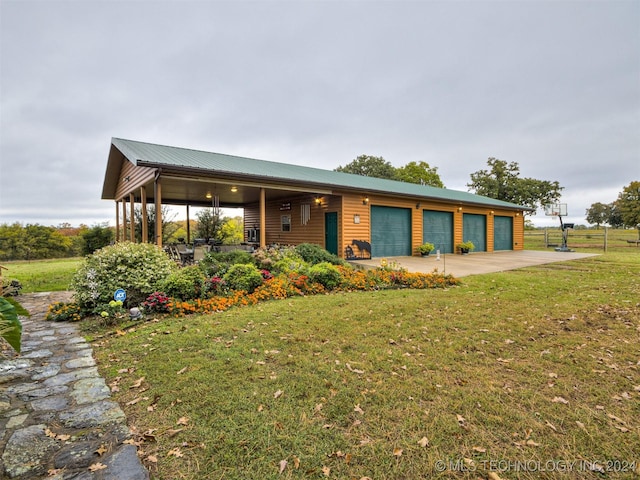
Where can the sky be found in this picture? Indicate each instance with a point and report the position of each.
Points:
(551, 85)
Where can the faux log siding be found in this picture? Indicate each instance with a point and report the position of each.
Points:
(351, 206)
(518, 231)
(138, 176)
(348, 205)
(312, 232)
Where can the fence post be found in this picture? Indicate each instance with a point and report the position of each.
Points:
(546, 237)
(606, 230)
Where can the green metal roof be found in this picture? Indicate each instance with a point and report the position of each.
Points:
(148, 154)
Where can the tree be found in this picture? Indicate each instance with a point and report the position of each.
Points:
(208, 224)
(598, 213)
(420, 173)
(502, 182)
(232, 231)
(369, 166)
(96, 237)
(628, 205)
(168, 225)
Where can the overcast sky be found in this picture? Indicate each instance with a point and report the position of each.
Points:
(551, 85)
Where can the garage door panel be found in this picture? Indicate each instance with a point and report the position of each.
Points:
(474, 228)
(502, 233)
(437, 228)
(390, 231)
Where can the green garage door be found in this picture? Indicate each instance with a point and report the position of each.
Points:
(437, 228)
(502, 233)
(474, 228)
(390, 231)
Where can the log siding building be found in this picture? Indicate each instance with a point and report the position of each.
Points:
(291, 204)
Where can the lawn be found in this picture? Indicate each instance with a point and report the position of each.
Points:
(42, 275)
(510, 374)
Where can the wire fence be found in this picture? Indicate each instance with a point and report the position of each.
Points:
(604, 239)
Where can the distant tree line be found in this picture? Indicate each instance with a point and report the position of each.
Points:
(35, 242)
(623, 212)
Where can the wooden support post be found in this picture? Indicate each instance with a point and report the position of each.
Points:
(145, 220)
(124, 220)
(263, 219)
(132, 225)
(188, 226)
(117, 239)
(158, 206)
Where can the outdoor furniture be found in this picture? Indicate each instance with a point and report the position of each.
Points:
(200, 252)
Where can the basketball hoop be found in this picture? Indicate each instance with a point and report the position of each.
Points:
(560, 210)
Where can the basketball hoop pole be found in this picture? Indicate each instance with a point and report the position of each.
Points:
(558, 210)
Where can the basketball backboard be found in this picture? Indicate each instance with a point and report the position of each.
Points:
(556, 209)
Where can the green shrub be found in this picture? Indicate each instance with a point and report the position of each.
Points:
(137, 268)
(64, 312)
(243, 277)
(315, 254)
(217, 263)
(186, 283)
(325, 274)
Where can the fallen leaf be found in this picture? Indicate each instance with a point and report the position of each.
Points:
(296, 463)
(152, 459)
(134, 401)
(326, 471)
(102, 450)
(494, 476)
(260, 408)
(397, 452)
(54, 471)
(137, 383)
(551, 426)
(97, 466)
(581, 425)
(358, 409)
(560, 400)
(423, 442)
(172, 432)
(183, 421)
(278, 394)
(175, 452)
(283, 465)
(479, 449)
(181, 371)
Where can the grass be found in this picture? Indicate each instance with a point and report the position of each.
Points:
(530, 367)
(43, 275)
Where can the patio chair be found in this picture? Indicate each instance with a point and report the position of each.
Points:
(200, 252)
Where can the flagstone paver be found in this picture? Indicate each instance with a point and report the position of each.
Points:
(56, 414)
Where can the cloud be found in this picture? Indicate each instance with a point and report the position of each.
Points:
(549, 85)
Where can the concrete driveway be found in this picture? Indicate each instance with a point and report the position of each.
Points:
(475, 263)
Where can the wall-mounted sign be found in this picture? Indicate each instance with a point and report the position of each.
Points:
(285, 206)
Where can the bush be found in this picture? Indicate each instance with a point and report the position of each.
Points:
(137, 268)
(185, 284)
(10, 287)
(217, 263)
(325, 274)
(64, 312)
(243, 277)
(315, 254)
(157, 302)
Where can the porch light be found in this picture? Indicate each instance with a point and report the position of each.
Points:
(318, 200)
(234, 189)
(365, 200)
(459, 209)
(208, 195)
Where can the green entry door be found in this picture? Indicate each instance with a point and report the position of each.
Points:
(331, 232)
(474, 228)
(437, 228)
(390, 231)
(502, 233)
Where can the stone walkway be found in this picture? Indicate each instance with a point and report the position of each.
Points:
(57, 420)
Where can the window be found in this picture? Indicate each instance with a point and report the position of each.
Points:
(285, 222)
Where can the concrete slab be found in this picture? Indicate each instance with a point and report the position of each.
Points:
(476, 263)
